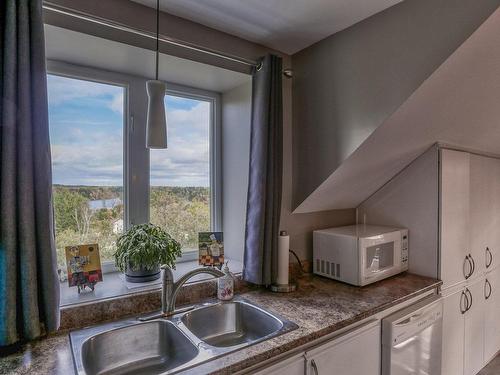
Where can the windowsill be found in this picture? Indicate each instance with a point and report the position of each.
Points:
(113, 284)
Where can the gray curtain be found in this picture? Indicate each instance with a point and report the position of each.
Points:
(29, 291)
(265, 175)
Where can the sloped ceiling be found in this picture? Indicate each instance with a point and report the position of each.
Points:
(284, 25)
(457, 105)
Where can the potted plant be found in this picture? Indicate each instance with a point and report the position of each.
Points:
(142, 249)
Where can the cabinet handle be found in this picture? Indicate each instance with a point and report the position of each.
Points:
(473, 265)
(314, 367)
(463, 298)
(489, 257)
(487, 284)
(469, 302)
(464, 267)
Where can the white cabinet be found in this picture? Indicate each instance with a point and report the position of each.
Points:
(492, 255)
(471, 325)
(470, 216)
(455, 263)
(484, 212)
(357, 352)
(290, 366)
(474, 328)
(481, 194)
(469, 260)
(453, 333)
(492, 314)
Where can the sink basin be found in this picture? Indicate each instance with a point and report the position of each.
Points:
(231, 323)
(147, 348)
(173, 345)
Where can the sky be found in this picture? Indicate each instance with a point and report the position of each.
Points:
(86, 134)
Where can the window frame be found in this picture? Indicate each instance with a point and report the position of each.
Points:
(215, 157)
(136, 157)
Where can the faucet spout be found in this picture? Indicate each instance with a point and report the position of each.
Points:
(167, 286)
(171, 289)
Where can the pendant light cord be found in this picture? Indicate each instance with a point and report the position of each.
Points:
(157, 35)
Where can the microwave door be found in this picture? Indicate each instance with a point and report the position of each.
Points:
(379, 259)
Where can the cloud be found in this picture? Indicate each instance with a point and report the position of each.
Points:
(186, 161)
(62, 90)
(195, 119)
(86, 137)
(92, 164)
(89, 151)
(116, 104)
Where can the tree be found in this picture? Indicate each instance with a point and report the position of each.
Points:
(67, 205)
(182, 212)
(83, 216)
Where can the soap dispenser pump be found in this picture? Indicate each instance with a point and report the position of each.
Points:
(225, 285)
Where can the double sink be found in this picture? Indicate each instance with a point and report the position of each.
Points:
(167, 346)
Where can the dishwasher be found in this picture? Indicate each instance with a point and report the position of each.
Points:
(411, 339)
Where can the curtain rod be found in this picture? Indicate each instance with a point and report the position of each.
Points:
(47, 5)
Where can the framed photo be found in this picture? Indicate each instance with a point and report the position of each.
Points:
(211, 249)
(84, 266)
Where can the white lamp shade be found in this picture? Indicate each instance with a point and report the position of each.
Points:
(156, 126)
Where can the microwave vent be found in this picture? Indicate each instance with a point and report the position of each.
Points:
(327, 268)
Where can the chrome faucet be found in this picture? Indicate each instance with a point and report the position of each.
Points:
(171, 289)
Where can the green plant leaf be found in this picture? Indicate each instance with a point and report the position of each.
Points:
(146, 245)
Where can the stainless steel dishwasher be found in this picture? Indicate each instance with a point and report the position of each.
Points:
(411, 339)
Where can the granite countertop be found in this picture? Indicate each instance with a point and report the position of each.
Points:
(319, 307)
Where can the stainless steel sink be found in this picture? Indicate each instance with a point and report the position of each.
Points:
(231, 324)
(167, 346)
(149, 348)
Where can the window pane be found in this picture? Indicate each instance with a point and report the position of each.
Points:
(180, 175)
(86, 134)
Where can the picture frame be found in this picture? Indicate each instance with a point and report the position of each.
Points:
(211, 249)
(84, 266)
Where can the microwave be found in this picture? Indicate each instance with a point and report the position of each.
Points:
(360, 254)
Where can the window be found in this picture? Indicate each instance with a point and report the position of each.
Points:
(105, 179)
(180, 192)
(86, 131)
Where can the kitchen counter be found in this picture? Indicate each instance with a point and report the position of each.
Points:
(319, 307)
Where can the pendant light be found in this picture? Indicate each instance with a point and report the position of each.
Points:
(156, 126)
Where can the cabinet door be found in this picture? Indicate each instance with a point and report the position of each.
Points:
(453, 333)
(454, 204)
(492, 255)
(483, 215)
(354, 353)
(491, 314)
(474, 328)
(290, 366)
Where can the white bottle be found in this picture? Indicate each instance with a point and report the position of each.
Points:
(225, 285)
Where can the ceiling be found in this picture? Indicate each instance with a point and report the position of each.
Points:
(284, 25)
(457, 105)
(83, 49)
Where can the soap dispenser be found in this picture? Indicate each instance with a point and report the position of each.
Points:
(225, 285)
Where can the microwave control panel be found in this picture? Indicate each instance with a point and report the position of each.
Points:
(404, 249)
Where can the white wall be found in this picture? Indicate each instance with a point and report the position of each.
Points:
(348, 84)
(457, 105)
(411, 200)
(236, 115)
